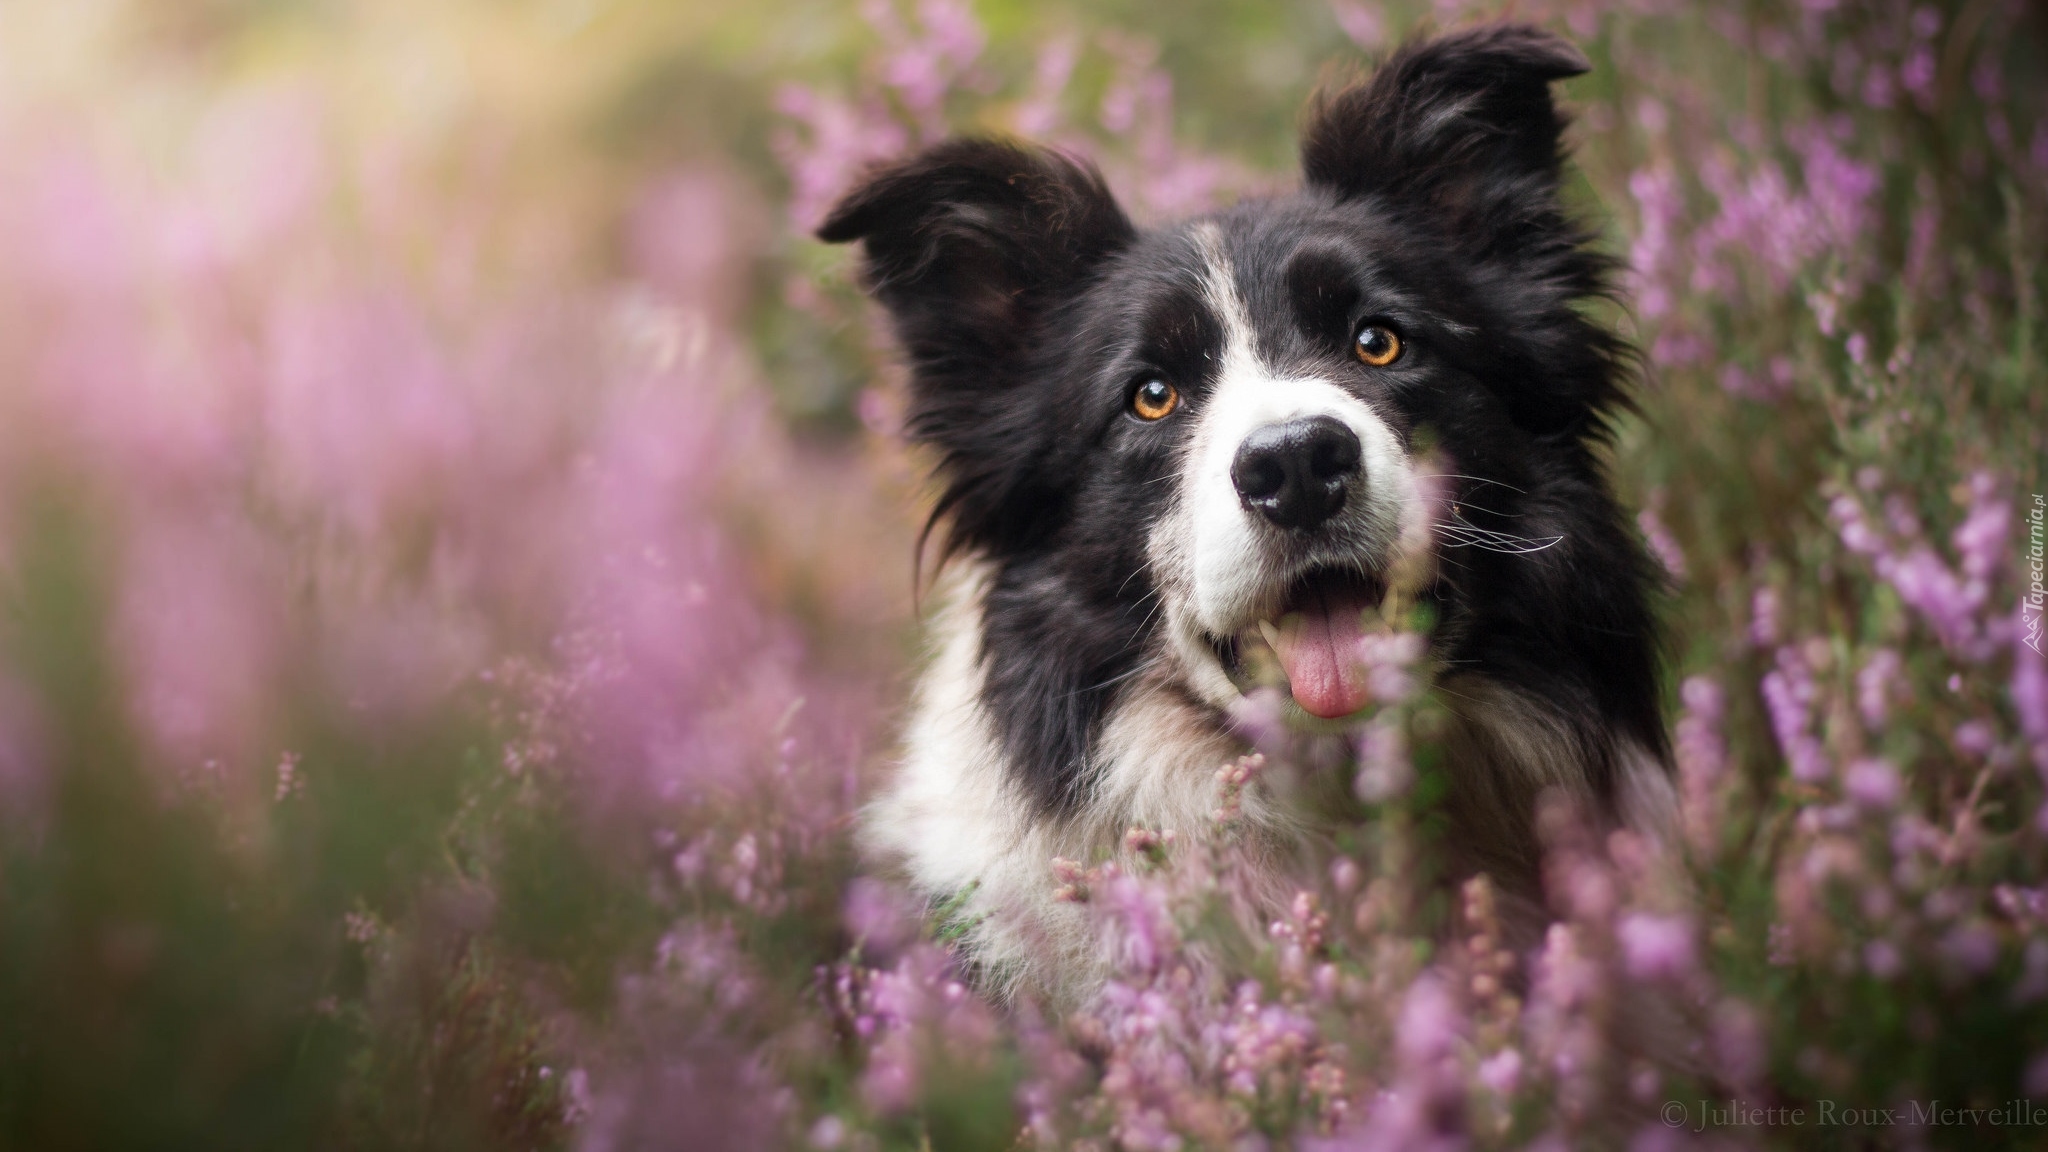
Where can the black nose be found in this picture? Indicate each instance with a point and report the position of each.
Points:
(1297, 473)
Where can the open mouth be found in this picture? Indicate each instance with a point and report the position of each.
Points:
(1310, 645)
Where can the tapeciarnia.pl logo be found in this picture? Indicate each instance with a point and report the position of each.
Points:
(2031, 605)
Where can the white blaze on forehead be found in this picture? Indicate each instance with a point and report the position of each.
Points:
(1232, 557)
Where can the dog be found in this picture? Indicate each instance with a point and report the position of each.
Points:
(1161, 452)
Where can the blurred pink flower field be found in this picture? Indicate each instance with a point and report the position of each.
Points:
(456, 549)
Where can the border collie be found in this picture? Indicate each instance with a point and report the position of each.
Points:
(1161, 452)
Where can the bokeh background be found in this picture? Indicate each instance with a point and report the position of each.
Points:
(456, 587)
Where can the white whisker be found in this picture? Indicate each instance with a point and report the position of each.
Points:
(1462, 476)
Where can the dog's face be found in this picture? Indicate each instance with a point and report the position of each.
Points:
(1270, 368)
(1190, 447)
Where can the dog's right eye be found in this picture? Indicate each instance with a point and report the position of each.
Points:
(1154, 400)
(1377, 345)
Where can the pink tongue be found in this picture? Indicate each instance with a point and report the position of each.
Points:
(1318, 649)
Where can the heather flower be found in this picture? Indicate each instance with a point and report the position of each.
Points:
(1873, 784)
(1384, 768)
(1139, 927)
(827, 1134)
(2033, 981)
(1764, 625)
(1137, 106)
(1655, 947)
(1789, 695)
(198, 623)
(1502, 1071)
(1659, 205)
(1876, 684)
(1560, 1022)
(1970, 947)
(923, 69)
(1038, 115)
(877, 916)
(1361, 22)
(1387, 658)
(1662, 544)
(1738, 1037)
(841, 138)
(2030, 700)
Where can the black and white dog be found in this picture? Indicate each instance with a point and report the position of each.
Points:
(1160, 450)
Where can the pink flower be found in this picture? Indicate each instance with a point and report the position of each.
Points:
(1789, 695)
(1662, 543)
(1502, 1071)
(1873, 784)
(2029, 692)
(1971, 947)
(1875, 683)
(1656, 947)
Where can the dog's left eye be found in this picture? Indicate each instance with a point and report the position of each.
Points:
(1154, 400)
(1377, 345)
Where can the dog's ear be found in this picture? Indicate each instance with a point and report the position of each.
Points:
(1462, 125)
(971, 245)
(968, 240)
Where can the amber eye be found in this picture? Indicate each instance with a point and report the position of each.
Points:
(1377, 345)
(1154, 400)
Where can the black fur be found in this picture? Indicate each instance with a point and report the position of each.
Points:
(1029, 308)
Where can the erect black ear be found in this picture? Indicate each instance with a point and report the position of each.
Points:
(971, 245)
(967, 240)
(1462, 124)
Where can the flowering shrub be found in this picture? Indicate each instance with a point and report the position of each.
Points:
(437, 683)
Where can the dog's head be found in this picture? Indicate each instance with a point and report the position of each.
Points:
(1177, 444)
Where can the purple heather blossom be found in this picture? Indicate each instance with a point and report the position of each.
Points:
(1765, 627)
(1662, 543)
(841, 138)
(1739, 1044)
(1163, 179)
(1702, 754)
(2033, 982)
(1139, 927)
(1971, 947)
(923, 68)
(1873, 784)
(1656, 947)
(1876, 682)
(198, 622)
(1387, 658)
(1789, 696)
(1039, 115)
(2035, 1082)
(1502, 1071)
(2030, 700)
(1764, 218)
(1951, 602)
(878, 916)
(1344, 875)
(1659, 207)
(1430, 1022)
(1361, 22)
(1979, 540)
(1975, 737)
